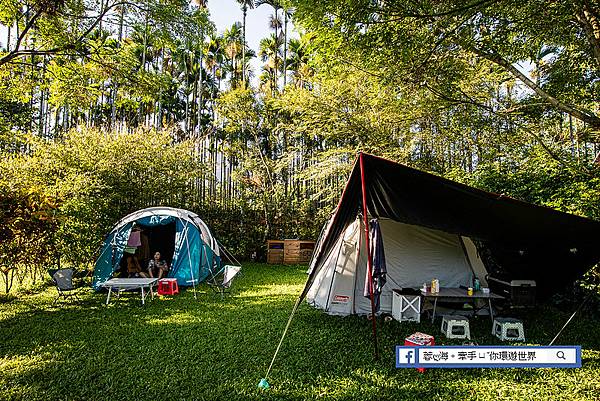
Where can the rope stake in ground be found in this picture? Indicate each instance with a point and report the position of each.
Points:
(573, 315)
(264, 384)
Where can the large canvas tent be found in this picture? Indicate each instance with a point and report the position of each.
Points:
(181, 237)
(436, 228)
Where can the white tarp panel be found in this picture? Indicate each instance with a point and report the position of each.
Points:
(341, 299)
(414, 255)
(476, 262)
(333, 287)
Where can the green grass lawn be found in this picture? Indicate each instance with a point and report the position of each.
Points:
(179, 348)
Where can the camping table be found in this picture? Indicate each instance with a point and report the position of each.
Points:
(460, 294)
(120, 284)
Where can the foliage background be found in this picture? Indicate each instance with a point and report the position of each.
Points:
(107, 107)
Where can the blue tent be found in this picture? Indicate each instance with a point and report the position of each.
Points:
(181, 236)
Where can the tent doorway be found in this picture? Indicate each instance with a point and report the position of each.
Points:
(159, 239)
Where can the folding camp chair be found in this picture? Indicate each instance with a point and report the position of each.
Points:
(63, 281)
(221, 282)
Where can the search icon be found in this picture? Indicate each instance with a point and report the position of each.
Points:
(561, 355)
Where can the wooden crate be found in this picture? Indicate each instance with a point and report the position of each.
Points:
(289, 251)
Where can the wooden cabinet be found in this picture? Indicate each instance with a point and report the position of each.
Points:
(289, 251)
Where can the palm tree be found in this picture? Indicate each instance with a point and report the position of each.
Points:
(233, 47)
(273, 3)
(214, 62)
(148, 46)
(276, 25)
(236, 70)
(183, 66)
(245, 5)
(298, 62)
(287, 12)
(269, 53)
(250, 54)
(274, 22)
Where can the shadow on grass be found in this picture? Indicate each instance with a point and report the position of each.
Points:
(212, 348)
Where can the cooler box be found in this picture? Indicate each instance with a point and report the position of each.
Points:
(419, 339)
(521, 293)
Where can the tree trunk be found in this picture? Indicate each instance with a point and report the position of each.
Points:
(200, 88)
(244, 11)
(41, 119)
(591, 119)
(285, 22)
(115, 89)
(9, 276)
(193, 109)
(276, 51)
(588, 20)
(101, 13)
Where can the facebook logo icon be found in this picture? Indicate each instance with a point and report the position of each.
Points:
(406, 357)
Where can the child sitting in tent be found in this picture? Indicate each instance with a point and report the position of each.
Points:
(157, 267)
(133, 268)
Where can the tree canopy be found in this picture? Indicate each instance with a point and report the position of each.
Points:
(551, 48)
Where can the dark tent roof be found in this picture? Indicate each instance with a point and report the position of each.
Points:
(524, 241)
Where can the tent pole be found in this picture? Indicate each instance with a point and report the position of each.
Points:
(187, 243)
(369, 260)
(227, 253)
